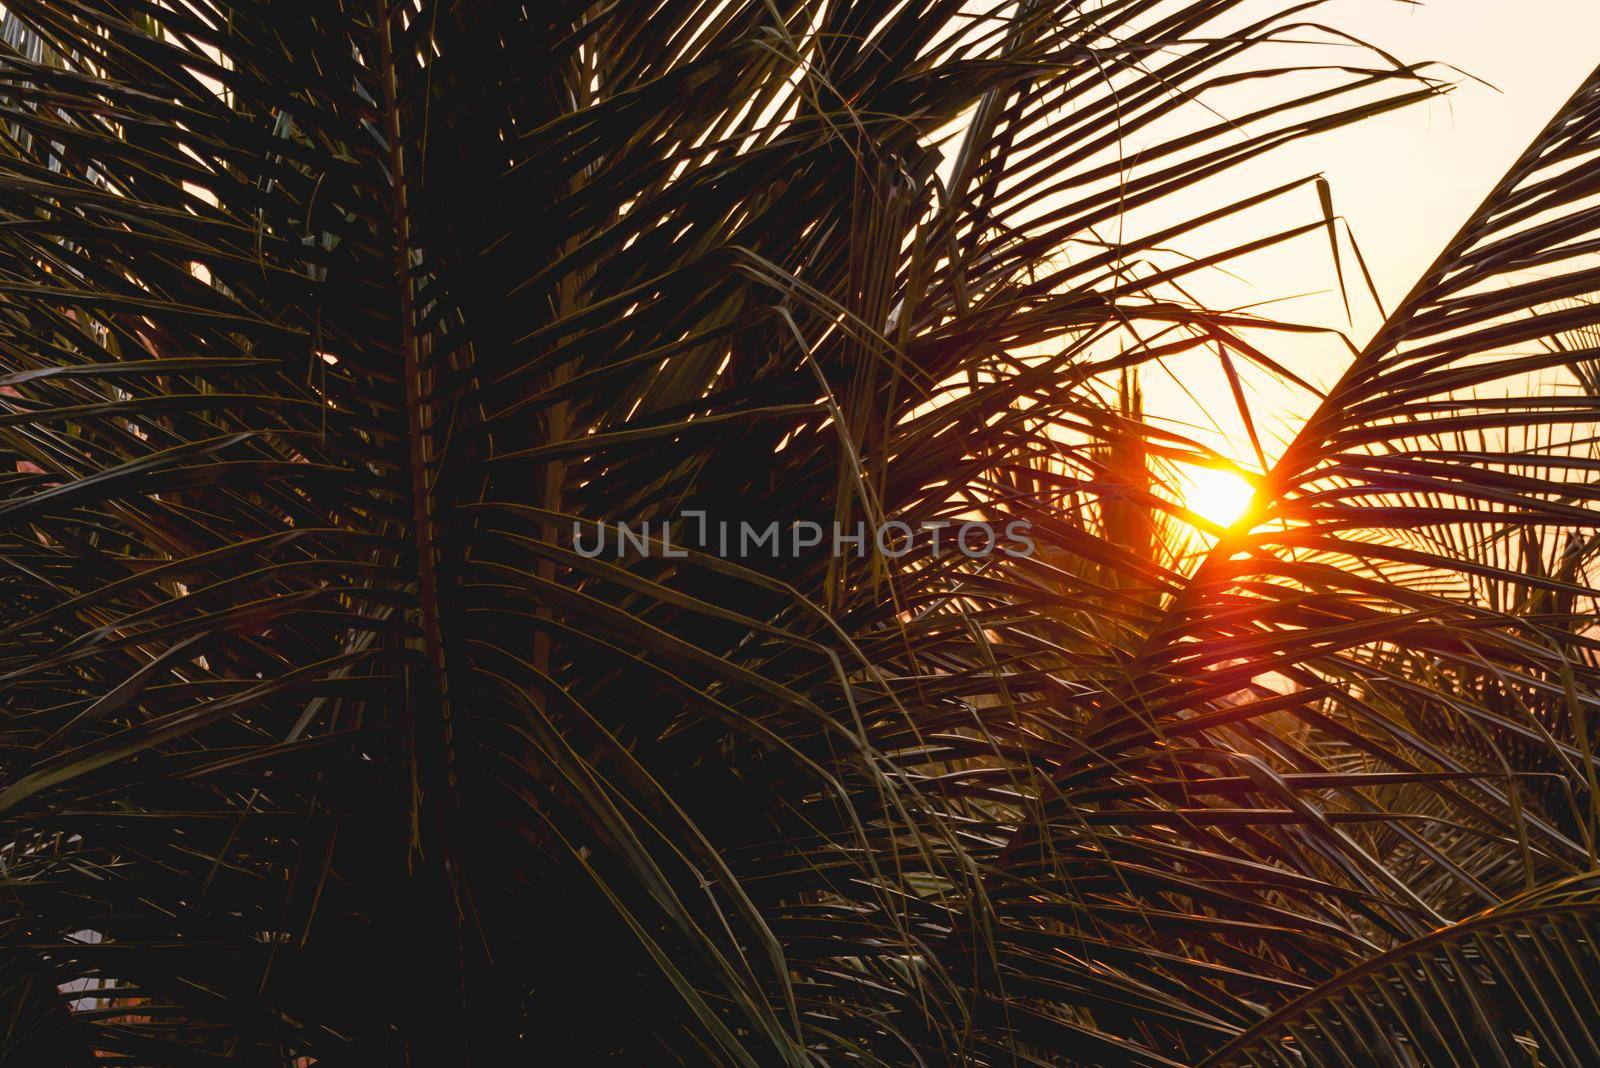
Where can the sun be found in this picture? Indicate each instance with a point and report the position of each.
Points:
(1216, 494)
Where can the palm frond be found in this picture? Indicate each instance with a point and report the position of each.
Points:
(327, 344)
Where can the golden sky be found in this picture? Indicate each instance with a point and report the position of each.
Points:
(1405, 182)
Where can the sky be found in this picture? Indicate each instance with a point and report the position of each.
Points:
(1404, 181)
(1407, 181)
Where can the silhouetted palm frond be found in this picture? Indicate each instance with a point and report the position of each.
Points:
(348, 720)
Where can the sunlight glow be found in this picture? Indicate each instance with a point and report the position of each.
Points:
(1218, 495)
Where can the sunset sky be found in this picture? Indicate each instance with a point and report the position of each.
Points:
(1405, 181)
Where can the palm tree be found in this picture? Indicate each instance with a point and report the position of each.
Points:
(331, 338)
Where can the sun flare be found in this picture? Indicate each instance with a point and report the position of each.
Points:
(1218, 495)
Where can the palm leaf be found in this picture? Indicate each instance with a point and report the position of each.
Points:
(323, 337)
(1494, 989)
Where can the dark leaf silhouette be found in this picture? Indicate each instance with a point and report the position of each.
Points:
(350, 720)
